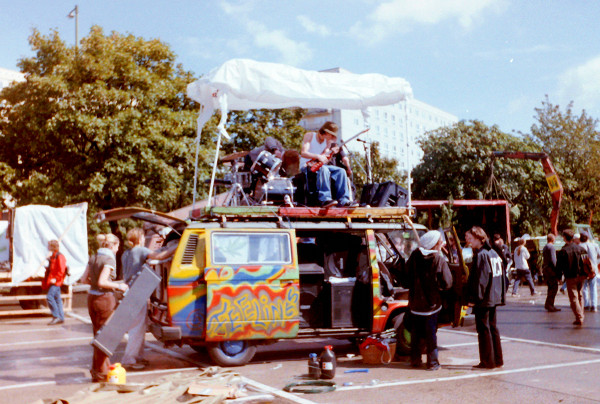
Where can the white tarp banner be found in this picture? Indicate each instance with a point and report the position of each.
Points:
(242, 84)
(35, 226)
(4, 242)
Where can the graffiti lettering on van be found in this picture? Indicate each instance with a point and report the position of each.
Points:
(252, 311)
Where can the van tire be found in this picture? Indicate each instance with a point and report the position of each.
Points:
(402, 334)
(201, 349)
(231, 353)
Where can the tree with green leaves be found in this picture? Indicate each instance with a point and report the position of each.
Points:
(107, 123)
(457, 164)
(573, 143)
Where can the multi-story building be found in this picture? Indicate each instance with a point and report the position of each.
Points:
(8, 76)
(395, 127)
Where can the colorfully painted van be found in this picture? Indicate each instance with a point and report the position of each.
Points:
(244, 276)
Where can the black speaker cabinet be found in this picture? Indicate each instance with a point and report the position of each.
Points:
(368, 193)
(341, 303)
(390, 194)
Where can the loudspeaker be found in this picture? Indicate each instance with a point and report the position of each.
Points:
(368, 193)
(390, 194)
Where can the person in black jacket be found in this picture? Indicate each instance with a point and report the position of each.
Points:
(486, 289)
(569, 261)
(551, 274)
(427, 274)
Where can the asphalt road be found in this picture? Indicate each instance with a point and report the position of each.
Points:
(546, 360)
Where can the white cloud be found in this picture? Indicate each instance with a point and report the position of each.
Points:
(312, 27)
(401, 15)
(258, 35)
(581, 84)
(291, 52)
(237, 8)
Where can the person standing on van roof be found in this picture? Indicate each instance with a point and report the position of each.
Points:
(551, 273)
(316, 148)
(569, 261)
(427, 274)
(590, 291)
(486, 289)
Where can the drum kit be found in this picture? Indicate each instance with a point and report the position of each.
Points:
(262, 185)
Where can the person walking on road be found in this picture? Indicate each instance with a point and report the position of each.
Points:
(521, 256)
(132, 261)
(551, 273)
(486, 289)
(56, 272)
(576, 240)
(590, 291)
(100, 273)
(427, 274)
(569, 261)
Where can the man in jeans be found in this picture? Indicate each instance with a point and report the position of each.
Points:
(590, 293)
(53, 280)
(569, 261)
(317, 148)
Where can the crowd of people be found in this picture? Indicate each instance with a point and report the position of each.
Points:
(576, 265)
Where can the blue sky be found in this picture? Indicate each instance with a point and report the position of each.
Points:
(492, 60)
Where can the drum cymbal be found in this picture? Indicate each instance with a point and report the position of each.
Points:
(234, 156)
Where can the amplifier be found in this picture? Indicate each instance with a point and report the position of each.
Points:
(386, 194)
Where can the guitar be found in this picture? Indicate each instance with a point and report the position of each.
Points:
(314, 165)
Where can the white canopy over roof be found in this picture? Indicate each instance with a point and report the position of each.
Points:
(242, 84)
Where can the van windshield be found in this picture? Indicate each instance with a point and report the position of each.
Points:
(251, 248)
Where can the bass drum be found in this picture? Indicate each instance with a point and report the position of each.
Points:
(266, 166)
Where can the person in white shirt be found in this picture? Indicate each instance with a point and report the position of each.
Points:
(590, 291)
(317, 150)
(521, 255)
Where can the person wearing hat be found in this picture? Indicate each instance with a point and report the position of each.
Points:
(486, 289)
(333, 186)
(427, 275)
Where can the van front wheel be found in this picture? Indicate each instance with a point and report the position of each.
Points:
(231, 353)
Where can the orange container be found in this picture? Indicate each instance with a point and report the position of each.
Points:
(374, 355)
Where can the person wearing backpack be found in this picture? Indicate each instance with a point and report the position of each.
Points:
(54, 277)
(569, 261)
(590, 292)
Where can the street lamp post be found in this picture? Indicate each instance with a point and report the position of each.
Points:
(75, 14)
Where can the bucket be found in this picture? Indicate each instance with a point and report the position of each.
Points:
(116, 374)
(375, 355)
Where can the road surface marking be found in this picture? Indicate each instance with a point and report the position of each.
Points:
(457, 345)
(529, 341)
(473, 375)
(53, 341)
(88, 380)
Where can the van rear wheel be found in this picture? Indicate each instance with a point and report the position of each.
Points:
(231, 353)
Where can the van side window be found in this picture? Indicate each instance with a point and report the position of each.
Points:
(251, 248)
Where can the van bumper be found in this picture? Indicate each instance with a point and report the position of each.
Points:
(165, 333)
